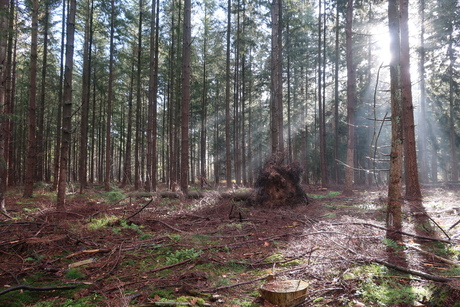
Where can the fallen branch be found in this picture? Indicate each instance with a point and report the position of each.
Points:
(434, 222)
(3, 210)
(139, 211)
(30, 288)
(455, 224)
(412, 272)
(88, 251)
(234, 285)
(167, 225)
(433, 255)
(159, 269)
(159, 303)
(401, 232)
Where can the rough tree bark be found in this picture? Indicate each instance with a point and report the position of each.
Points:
(108, 151)
(228, 164)
(67, 107)
(394, 214)
(351, 102)
(3, 121)
(276, 79)
(413, 191)
(31, 146)
(186, 56)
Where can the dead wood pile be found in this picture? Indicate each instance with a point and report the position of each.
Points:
(278, 184)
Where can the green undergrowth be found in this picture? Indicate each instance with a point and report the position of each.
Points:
(329, 194)
(53, 298)
(380, 286)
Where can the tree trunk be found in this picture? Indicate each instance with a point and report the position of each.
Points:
(57, 152)
(351, 103)
(452, 116)
(3, 102)
(276, 79)
(108, 147)
(203, 108)
(67, 107)
(336, 95)
(394, 215)
(236, 99)
(153, 89)
(39, 176)
(228, 164)
(410, 151)
(422, 140)
(186, 71)
(85, 99)
(322, 134)
(9, 148)
(127, 179)
(31, 146)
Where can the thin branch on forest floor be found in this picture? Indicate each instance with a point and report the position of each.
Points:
(30, 288)
(423, 212)
(117, 260)
(401, 232)
(434, 256)
(12, 275)
(159, 269)
(254, 280)
(88, 251)
(3, 209)
(234, 285)
(167, 225)
(139, 211)
(410, 271)
(455, 224)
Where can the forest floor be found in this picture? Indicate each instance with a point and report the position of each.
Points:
(106, 251)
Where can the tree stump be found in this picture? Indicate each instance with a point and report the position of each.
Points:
(278, 184)
(284, 293)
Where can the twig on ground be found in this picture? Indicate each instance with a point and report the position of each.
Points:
(434, 222)
(30, 288)
(455, 224)
(410, 271)
(139, 211)
(117, 260)
(234, 285)
(88, 251)
(159, 269)
(167, 225)
(434, 256)
(401, 232)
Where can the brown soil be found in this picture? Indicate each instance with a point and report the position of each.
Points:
(238, 247)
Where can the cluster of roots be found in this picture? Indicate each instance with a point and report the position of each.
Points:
(278, 184)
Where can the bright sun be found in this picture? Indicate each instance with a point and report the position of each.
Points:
(381, 43)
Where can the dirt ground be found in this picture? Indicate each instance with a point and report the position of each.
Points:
(129, 249)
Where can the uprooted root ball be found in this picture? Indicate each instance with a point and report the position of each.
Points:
(278, 184)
